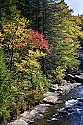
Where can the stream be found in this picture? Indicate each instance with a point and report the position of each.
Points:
(62, 105)
(70, 112)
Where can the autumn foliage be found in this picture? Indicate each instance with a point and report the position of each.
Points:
(29, 61)
(32, 38)
(23, 50)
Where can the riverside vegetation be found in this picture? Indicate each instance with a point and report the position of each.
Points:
(39, 43)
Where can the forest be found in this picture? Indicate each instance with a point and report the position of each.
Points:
(39, 41)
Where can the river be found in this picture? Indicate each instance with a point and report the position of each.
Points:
(70, 112)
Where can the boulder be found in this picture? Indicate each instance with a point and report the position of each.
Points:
(51, 99)
(41, 108)
(80, 99)
(54, 87)
(26, 114)
(69, 77)
(71, 102)
(51, 94)
(39, 116)
(19, 122)
(79, 78)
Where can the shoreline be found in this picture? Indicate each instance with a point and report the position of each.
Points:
(51, 98)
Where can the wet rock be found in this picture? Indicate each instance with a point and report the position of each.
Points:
(79, 78)
(71, 102)
(50, 99)
(54, 119)
(19, 122)
(79, 110)
(51, 94)
(33, 113)
(61, 88)
(75, 84)
(29, 117)
(80, 99)
(65, 88)
(39, 116)
(70, 76)
(41, 108)
(26, 114)
(54, 87)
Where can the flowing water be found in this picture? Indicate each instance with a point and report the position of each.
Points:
(70, 112)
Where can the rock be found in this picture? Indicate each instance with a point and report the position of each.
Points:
(77, 84)
(81, 74)
(61, 88)
(79, 110)
(54, 119)
(80, 99)
(67, 87)
(51, 94)
(79, 78)
(70, 76)
(71, 102)
(64, 82)
(39, 116)
(25, 114)
(41, 108)
(50, 99)
(19, 122)
(54, 87)
(33, 113)
(64, 88)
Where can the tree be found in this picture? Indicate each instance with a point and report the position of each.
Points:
(63, 38)
(24, 48)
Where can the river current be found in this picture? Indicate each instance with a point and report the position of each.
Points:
(70, 112)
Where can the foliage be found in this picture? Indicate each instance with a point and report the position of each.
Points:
(27, 64)
(6, 99)
(23, 48)
(63, 38)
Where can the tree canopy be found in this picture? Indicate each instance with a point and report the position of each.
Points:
(39, 41)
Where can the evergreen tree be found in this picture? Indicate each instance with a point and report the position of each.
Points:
(63, 37)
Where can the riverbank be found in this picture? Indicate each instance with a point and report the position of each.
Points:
(51, 98)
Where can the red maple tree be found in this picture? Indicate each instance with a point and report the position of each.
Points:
(33, 38)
